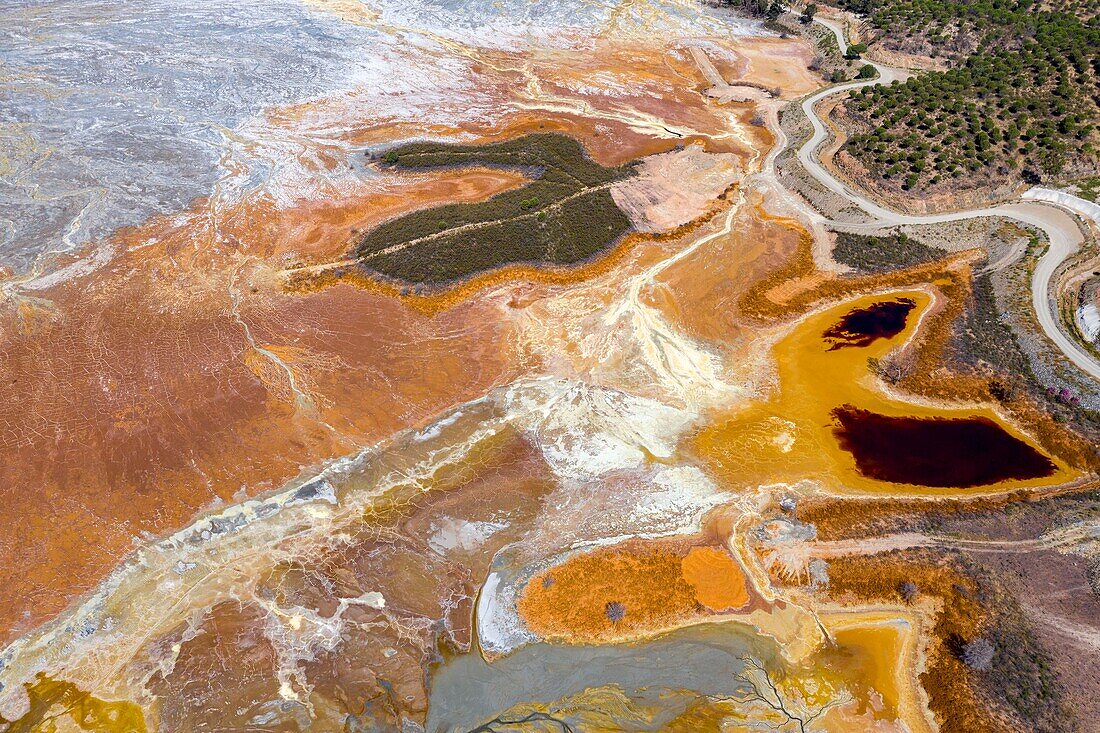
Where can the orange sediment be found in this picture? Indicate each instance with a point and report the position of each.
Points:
(185, 394)
(790, 436)
(799, 286)
(607, 594)
(627, 591)
(451, 295)
(718, 580)
(53, 702)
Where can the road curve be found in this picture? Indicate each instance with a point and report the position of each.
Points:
(1060, 226)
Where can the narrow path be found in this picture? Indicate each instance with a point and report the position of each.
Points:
(737, 91)
(472, 226)
(1080, 633)
(707, 67)
(828, 549)
(1050, 215)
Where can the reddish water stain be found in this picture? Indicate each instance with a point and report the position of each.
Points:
(862, 326)
(956, 453)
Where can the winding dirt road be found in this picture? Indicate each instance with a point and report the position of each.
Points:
(1037, 208)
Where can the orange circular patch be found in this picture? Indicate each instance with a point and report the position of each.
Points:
(606, 594)
(717, 579)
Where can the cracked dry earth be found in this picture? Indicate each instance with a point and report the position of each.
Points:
(250, 486)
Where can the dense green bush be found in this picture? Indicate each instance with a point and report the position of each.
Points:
(856, 50)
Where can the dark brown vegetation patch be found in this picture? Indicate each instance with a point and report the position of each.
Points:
(880, 254)
(564, 216)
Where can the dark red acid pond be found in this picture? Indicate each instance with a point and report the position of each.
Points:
(862, 326)
(940, 452)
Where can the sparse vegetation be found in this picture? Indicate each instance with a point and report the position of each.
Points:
(770, 9)
(1020, 671)
(829, 61)
(1089, 188)
(984, 341)
(879, 254)
(1021, 102)
(564, 216)
(972, 605)
(984, 334)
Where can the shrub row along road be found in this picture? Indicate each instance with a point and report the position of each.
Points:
(1060, 227)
